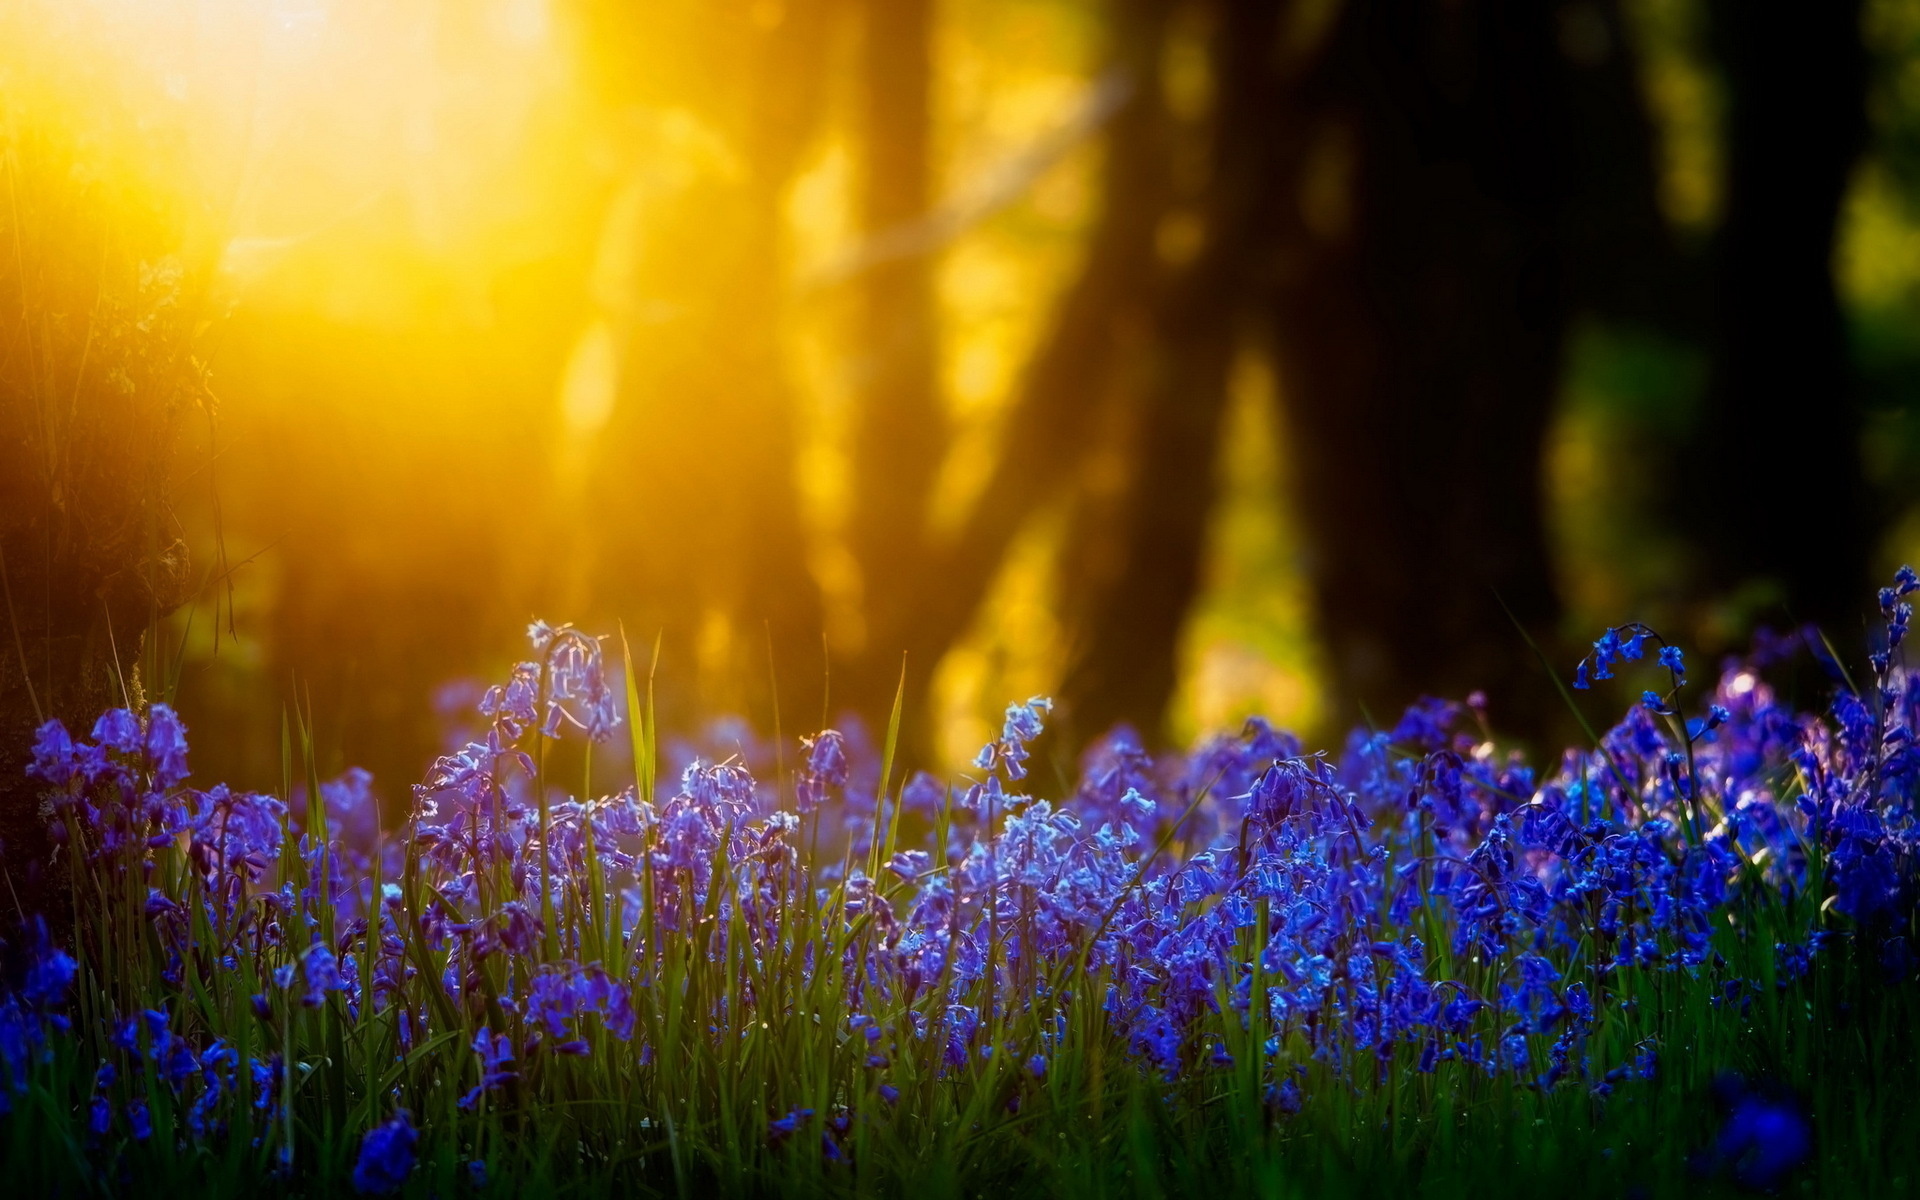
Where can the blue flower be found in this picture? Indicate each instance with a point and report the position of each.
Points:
(496, 1065)
(118, 730)
(49, 977)
(166, 747)
(826, 768)
(1285, 1097)
(782, 1128)
(1763, 1140)
(923, 794)
(321, 971)
(53, 755)
(1671, 659)
(386, 1156)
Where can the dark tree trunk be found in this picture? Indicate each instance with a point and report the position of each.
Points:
(1774, 486)
(1063, 385)
(900, 436)
(1134, 560)
(1133, 563)
(1624, 263)
(1419, 322)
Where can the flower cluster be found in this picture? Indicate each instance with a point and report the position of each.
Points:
(1419, 904)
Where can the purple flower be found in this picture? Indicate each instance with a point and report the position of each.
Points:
(520, 930)
(1763, 1139)
(166, 747)
(53, 755)
(321, 970)
(49, 977)
(353, 812)
(496, 1065)
(1285, 1097)
(118, 730)
(782, 1128)
(826, 768)
(386, 1156)
(923, 795)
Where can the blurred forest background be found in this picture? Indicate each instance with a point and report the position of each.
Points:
(1183, 359)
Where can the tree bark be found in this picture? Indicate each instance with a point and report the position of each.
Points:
(1419, 322)
(1134, 562)
(901, 427)
(1773, 485)
(1066, 381)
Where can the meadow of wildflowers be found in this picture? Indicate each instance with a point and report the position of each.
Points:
(1675, 960)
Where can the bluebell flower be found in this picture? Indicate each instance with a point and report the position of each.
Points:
(908, 864)
(50, 976)
(118, 730)
(125, 1035)
(496, 1065)
(166, 747)
(1285, 1096)
(321, 971)
(782, 1128)
(1763, 1139)
(1672, 660)
(386, 1155)
(924, 795)
(53, 756)
(826, 768)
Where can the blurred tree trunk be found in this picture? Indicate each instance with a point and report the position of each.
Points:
(900, 434)
(699, 458)
(1134, 555)
(1419, 317)
(1624, 263)
(1061, 389)
(1773, 481)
